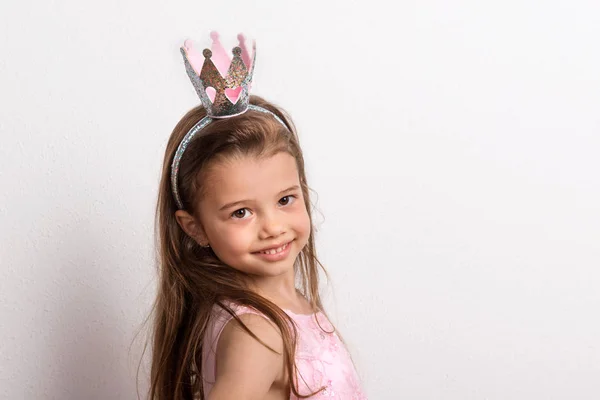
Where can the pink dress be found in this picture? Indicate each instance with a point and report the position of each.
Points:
(321, 357)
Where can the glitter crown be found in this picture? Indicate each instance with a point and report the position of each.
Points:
(222, 83)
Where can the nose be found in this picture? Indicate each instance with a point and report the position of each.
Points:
(272, 225)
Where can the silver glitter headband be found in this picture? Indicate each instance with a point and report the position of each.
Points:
(188, 138)
(223, 85)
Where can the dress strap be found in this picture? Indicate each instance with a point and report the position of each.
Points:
(219, 320)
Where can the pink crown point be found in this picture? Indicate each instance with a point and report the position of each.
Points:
(194, 57)
(246, 56)
(219, 56)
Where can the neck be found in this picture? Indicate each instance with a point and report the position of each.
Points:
(280, 289)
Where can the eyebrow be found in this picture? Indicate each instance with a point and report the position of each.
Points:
(228, 205)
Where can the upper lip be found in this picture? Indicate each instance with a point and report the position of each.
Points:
(275, 246)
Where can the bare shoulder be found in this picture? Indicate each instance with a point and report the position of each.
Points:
(234, 334)
(245, 368)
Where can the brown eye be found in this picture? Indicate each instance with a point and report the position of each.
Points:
(287, 201)
(239, 214)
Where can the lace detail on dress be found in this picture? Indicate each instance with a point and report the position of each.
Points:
(323, 360)
(321, 357)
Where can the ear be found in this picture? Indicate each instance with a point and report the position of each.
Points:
(191, 227)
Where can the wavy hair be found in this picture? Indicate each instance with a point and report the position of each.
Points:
(191, 279)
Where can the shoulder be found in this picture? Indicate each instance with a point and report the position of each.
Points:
(264, 329)
(244, 365)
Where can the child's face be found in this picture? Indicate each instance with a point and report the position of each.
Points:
(268, 215)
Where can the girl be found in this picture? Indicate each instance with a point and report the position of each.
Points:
(235, 237)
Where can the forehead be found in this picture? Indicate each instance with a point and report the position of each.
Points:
(249, 178)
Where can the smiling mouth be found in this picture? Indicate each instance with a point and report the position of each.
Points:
(274, 251)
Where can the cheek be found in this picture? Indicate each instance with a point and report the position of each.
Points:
(236, 240)
(231, 246)
(303, 224)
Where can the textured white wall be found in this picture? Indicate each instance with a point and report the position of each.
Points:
(453, 146)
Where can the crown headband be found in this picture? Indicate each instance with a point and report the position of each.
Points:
(223, 85)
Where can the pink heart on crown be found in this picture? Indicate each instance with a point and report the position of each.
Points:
(233, 94)
(211, 93)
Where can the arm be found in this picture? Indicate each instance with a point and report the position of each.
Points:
(245, 368)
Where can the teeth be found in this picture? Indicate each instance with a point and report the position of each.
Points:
(275, 251)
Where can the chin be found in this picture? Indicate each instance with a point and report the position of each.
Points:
(275, 269)
(272, 269)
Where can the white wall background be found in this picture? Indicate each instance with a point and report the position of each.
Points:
(454, 147)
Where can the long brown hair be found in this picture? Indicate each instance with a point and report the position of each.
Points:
(191, 278)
